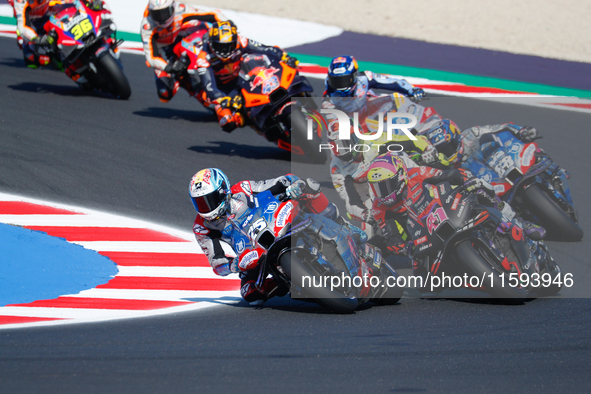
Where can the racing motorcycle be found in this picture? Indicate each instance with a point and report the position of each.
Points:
(527, 178)
(459, 235)
(300, 250)
(268, 87)
(83, 38)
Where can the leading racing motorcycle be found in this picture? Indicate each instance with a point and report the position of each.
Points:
(524, 176)
(304, 252)
(83, 38)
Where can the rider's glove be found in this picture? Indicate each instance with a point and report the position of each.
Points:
(223, 265)
(237, 102)
(475, 185)
(367, 216)
(416, 94)
(224, 102)
(46, 40)
(527, 134)
(290, 61)
(175, 67)
(296, 189)
(430, 155)
(95, 5)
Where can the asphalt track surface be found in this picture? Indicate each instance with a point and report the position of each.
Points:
(135, 158)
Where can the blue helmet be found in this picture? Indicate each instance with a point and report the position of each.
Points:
(209, 190)
(342, 75)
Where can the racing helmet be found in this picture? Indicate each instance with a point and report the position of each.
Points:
(388, 177)
(162, 12)
(343, 149)
(38, 7)
(445, 137)
(342, 75)
(223, 39)
(210, 190)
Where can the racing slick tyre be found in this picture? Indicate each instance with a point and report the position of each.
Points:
(295, 268)
(299, 137)
(475, 264)
(559, 224)
(118, 83)
(392, 294)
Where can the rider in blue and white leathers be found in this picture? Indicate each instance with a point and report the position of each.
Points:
(347, 90)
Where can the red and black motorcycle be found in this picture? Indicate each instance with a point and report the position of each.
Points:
(84, 45)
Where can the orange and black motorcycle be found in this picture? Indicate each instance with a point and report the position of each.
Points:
(269, 88)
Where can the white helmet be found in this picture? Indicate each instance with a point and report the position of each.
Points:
(161, 12)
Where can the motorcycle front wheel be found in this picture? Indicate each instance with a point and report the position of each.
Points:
(118, 83)
(295, 268)
(475, 264)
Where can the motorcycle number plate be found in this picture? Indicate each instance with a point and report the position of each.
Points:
(80, 29)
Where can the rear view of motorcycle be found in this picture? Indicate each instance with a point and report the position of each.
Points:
(84, 45)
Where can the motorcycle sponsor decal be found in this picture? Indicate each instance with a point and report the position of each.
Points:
(236, 205)
(418, 193)
(516, 147)
(425, 247)
(435, 218)
(504, 166)
(435, 193)
(74, 21)
(248, 219)
(417, 233)
(442, 189)
(420, 240)
(499, 189)
(283, 215)
(461, 210)
(454, 206)
(240, 246)
(245, 185)
(270, 85)
(248, 259)
(528, 155)
(271, 207)
(487, 177)
(256, 228)
(264, 75)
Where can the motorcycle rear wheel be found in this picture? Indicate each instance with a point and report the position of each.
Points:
(476, 265)
(557, 223)
(119, 85)
(297, 270)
